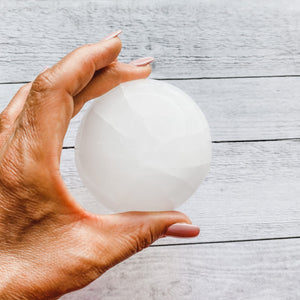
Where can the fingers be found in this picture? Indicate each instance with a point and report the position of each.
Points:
(49, 106)
(143, 228)
(75, 70)
(59, 92)
(108, 78)
(119, 236)
(15, 106)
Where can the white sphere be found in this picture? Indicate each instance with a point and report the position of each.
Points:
(144, 146)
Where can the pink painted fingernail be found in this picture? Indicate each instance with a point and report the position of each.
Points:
(183, 230)
(142, 61)
(112, 35)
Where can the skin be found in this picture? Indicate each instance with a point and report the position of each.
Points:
(49, 245)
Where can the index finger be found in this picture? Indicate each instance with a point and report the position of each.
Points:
(50, 105)
(76, 69)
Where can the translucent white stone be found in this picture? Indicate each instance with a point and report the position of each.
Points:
(144, 145)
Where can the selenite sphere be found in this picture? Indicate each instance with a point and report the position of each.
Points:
(144, 146)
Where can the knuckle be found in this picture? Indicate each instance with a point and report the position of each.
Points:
(144, 238)
(9, 175)
(116, 73)
(25, 88)
(5, 120)
(43, 82)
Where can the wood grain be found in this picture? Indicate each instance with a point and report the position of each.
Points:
(236, 109)
(248, 271)
(252, 191)
(198, 39)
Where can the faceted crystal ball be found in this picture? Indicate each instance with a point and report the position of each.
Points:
(143, 146)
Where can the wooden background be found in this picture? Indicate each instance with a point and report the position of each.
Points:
(240, 61)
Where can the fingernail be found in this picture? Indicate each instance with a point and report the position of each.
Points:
(112, 35)
(183, 230)
(142, 61)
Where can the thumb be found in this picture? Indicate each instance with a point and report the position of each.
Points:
(131, 232)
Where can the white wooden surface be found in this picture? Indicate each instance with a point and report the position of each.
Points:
(200, 37)
(236, 109)
(252, 191)
(237, 271)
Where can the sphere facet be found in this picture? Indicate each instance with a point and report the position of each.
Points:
(143, 146)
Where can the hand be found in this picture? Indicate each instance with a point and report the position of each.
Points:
(49, 245)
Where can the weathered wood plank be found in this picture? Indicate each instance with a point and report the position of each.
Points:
(252, 191)
(236, 109)
(201, 38)
(260, 270)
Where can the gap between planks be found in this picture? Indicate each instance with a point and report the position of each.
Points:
(228, 241)
(195, 78)
(233, 141)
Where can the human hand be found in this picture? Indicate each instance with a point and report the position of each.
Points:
(49, 245)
